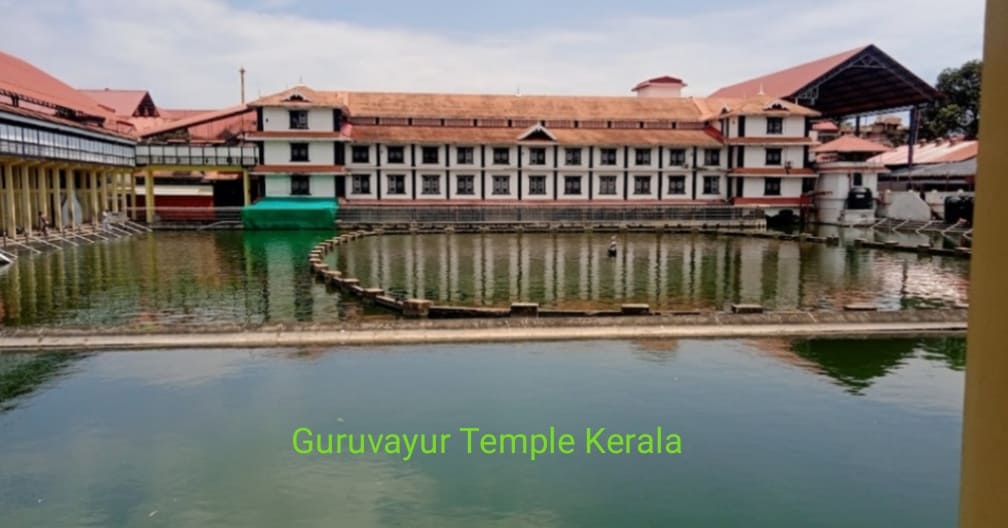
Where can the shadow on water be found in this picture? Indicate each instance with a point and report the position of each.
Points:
(856, 365)
(22, 374)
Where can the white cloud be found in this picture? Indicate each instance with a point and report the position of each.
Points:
(187, 52)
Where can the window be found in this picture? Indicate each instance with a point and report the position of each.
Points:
(712, 157)
(464, 155)
(501, 184)
(677, 185)
(771, 187)
(607, 185)
(464, 184)
(537, 185)
(572, 156)
(642, 156)
(537, 156)
(775, 125)
(361, 184)
(808, 185)
(607, 156)
(642, 185)
(299, 119)
(339, 154)
(360, 154)
(300, 184)
(396, 184)
(773, 156)
(299, 152)
(572, 185)
(430, 184)
(430, 155)
(676, 157)
(858, 181)
(396, 155)
(501, 156)
(711, 185)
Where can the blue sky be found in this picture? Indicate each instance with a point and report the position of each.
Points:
(187, 52)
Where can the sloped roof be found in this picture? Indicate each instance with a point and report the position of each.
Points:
(934, 152)
(564, 136)
(665, 79)
(860, 80)
(850, 143)
(786, 82)
(301, 96)
(194, 120)
(38, 87)
(716, 107)
(121, 102)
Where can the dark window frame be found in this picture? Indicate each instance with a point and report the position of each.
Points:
(501, 155)
(712, 157)
(360, 183)
(711, 184)
(608, 156)
(300, 185)
(641, 185)
(396, 154)
(537, 185)
(465, 184)
(676, 184)
(400, 184)
(572, 156)
(642, 156)
(607, 182)
(505, 189)
(430, 190)
(537, 156)
(298, 119)
(572, 185)
(774, 157)
(775, 125)
(299, 152)
(677, 157)
(360, 154)
(465, 155)
(430, 155)
(771, 186)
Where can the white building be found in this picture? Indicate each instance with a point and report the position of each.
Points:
(848, 180)
(658, 147)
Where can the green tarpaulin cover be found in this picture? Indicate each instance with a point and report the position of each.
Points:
(290, 213)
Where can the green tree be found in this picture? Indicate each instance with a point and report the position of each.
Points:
(958, 110)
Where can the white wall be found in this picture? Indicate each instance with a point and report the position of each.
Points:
(320, 185)
(407, 184)
(562, 182)
(687, 195)
(278, 119)
(278, 153)
(453, 181)
(652, 193)
(527, 157)
(755, 126)
(755, 156)
(512, 185)
(596, 178)
(526, 185)
(754, 187)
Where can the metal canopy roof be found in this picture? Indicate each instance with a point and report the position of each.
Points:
(861, 81)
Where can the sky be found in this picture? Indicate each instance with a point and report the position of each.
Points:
(187, 52)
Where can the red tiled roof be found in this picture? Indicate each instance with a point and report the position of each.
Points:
(31, 83)
(299, 169)
(934, 152)
(296, 134)
(37, 113)
(825, 126)
(121, 102)
(564, 136)
(665, 79)
(770, 140)
(195, 120)
(786, 82)
(851, 143)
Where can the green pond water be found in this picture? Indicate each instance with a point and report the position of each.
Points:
(252, 278)
(774, 433)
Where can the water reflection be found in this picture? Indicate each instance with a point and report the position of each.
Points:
(667, 271)
(244, 278)
(22, 374)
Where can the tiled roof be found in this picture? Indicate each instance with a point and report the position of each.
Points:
(786, 82)
(825, 126)
(122, 102)
(122, 130)
(934, 152)
(29, 82)
(665, 79)
(851, 143)
(715, 107)
(564, 136)
(771, 171)
(302, 96)
(770, 140)
(296, 134)
(196, 120)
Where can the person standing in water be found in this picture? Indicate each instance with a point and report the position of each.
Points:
(612, 246)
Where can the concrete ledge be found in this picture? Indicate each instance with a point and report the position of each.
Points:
(465, 312)
(524, 309)
(635, 309)
(417, 308)
(747, 308)
(860, 307)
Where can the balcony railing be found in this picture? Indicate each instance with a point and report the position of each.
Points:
(490, 214)
(198, 155)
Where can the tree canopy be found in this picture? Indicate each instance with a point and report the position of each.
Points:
(958, 111)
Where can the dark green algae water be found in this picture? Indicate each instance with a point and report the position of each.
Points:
(774, 432)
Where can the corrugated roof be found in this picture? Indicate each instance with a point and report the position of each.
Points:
(122, 102)
(783, 83)
(934, 152)
(958, 169)
(19, 77)
(851, 143)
